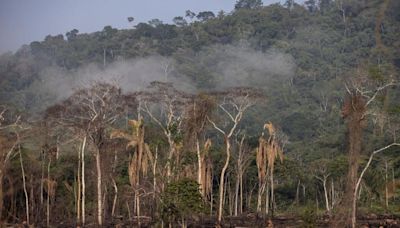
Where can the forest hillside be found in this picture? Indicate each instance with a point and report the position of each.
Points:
(285, 112)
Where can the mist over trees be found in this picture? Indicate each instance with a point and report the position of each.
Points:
(232, 118)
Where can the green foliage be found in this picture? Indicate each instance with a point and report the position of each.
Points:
(175, 132)
(375, 72)
(309, 216)
(180, 200)
(306, 106)
(248, 4)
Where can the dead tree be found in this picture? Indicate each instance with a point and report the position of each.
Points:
(354, 206)
(12, 133)
(321, 173)
(89, 112)
(362, 94)
(171, 104)
(195, 126)
(139, 160)
(8, 145)
(268, 151)
(243, 159)
(232, 105)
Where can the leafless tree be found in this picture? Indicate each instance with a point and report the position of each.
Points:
(232, 105)
(195, 128)
(89, 112)
(11, 128)
(321, 173)
(8, 145)
(243, 158)
(360, 103)
(166, 106)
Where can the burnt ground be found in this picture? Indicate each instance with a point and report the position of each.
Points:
(251, 220)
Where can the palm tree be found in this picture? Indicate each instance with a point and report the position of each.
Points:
(139, 161)
(267, 152)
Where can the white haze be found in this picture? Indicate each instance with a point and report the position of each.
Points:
(130, 75)
(231, 66)
(236, 66)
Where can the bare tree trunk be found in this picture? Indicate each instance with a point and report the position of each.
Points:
(199, 168)
(354, 210)
(137, 206)
(32, 199)
(83, 179)
(324, 180)
(24, 185)
(183, 223)
(115, 197)
(267, 198)
(42, 180)
(237, 185)
(356, 106)
(393, 183)
(261, 191)
(48, 194)
(129, 211)
(332, 194)
(297, 193)
(57, 148)
(222, 179)
(211, 196)
(241, 194)
(1, 193)
(103, 204)
(259, 198)
(79, 188)
(230, 197)
(170, 155)
(326, 196)
(272, 193)
(240, 166)
(225, 189)
(99, 189)
(154, 174)
(386, 186)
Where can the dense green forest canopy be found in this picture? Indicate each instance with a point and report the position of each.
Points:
(303, 59)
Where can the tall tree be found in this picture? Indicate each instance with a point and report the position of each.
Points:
(205, 15)
(141, 157)
(92, 111)
(9, 142)
(243, 158)
(173, 104)
(232, 105)
(268, 151)
(195, 128)
(362, 93)
(248, 4)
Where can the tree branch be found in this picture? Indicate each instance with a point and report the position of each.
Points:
(369, 163)
(215, 126)
(392, 83)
